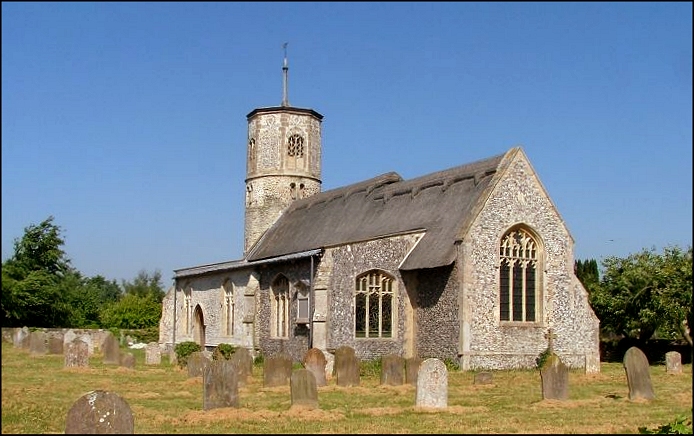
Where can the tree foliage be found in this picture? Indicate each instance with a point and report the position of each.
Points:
(646, 293)
(587, 272)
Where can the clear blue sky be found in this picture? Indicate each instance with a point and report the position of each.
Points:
(127, 121)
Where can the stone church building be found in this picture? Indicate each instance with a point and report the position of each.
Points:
(472, 263)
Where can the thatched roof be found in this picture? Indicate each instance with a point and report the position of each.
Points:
(438, 204)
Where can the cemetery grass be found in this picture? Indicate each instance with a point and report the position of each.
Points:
(38, 391)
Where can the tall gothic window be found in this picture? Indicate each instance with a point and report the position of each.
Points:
(280, 308)
(373, 303)
(228, 295)
(519, 283)
(188, 307)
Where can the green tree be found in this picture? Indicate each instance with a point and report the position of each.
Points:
(145, 285)
(132, 312)
(587, 272)
(87, 297)
(646, 293)
(31, 278)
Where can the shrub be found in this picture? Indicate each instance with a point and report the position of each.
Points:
(185, 349)
(223, 352)
(680, 425)
(542, 358)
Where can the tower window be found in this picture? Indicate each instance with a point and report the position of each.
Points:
(295, 146)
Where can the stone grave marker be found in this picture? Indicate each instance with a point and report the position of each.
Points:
(315, 361)
(411, 368)
(127, 360)
(55, 345)
(68, 337)
(244, 363)
(152, 354)
(38, 342)
(77, 354)
(111, 349)
(555, 379)
(673, 362)
(304, 391)
(277, 370)
(392, 370)
(432, 384)
(346, 367)
(196, 363)
(100, 412)
(20, 338)
(483, 378)
(638, 374)
(220, 385)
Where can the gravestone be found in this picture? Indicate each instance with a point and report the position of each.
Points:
(77, 354)
(220, 385)
(555, 379)
(196, 363)
(127, 360)
(100, 412)
(411, 368)
(111, 349)
(277, 370)
(483, 378)
(38, 342)
(432, 384)
(346, 367)
(638, 374)
(55, 345)
(87, 338)
(304, 391)
(673, 362)
(20, 338)
(68, 337)
(244, 363)
(392, 370)
(315, 361)
(152, 354)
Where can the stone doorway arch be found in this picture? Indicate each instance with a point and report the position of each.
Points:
(199, 327)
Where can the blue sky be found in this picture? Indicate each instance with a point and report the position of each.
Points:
(127, 121)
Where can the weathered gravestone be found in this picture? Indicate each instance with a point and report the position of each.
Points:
(196, 363)
(20, 338)
(346, 367)
(555, 379)
(77, 354)
(55, 345)
(100, 412)
(38, 342)
(127, 360)
(638, 374)
(243, 361)
(411, 369)
(277, 370)
(111, 349)
(432, 384)
(153, 354)
(68, 337)
(392, 370)
(315, 361)
(483, 378)
(673, 362)
(220, 385)
(304, 391)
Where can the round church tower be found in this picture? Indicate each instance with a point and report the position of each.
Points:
(283, 162)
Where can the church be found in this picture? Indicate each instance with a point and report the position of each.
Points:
(471, 264)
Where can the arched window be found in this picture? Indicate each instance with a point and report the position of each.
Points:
(373, 303)
(280, 308)
(228, 295)
(519, 277)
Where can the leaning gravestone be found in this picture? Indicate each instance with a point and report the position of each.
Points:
(483, 378)
(55, 345)
(304, 391)
(411, 369)
(673, 362)
(152, 354)
(432, 384)
(111, 349)
(100, 412)
(277, 370)
(196, 363)
(77, 354)
(220, 385)
(555, 379)
(127, 360)
(315, 361)
(37, 342)
(392, 370)
(638, 374)
(346, 367)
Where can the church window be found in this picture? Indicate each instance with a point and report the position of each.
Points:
(228, 295)
(519, 277)
(373, 303)
(303, 305)
(188, 307)
(251, 150)
(280, 308)
(295, 146)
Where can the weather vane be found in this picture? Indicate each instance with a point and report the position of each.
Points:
(285, 73)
